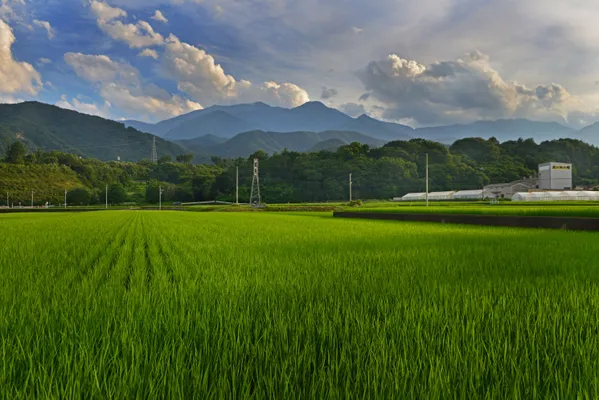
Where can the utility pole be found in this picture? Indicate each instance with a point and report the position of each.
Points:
(7, 200)
(65, 198)
(160, 197)
(107, 197)
(32, 199)
(350, 184)
(427, 179)
(237, 187)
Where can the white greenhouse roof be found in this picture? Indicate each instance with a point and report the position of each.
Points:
(556, 196)
(414, 196)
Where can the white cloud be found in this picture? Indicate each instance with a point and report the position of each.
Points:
(120, 84)
(159, 16)
(7, 12)
(136, 35)
(45, 25)
(353, 109)
(105, 13)
(149, 53)
(461, 90)
(15, 76)
(357, 30)
(85, 108)
(43, 61)
(198, 74)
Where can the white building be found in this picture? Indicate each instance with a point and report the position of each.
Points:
(555, 176)
(507, 190)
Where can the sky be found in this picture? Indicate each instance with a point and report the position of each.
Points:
(417, 62)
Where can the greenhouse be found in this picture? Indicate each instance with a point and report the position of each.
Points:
(557, 196)
(440, 196)
(414, 197)
(472, 194)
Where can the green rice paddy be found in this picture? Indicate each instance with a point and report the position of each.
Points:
(148, 304)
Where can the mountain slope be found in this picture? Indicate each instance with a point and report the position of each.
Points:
(217, 123)
(329, 145)
(378, 129)
(590, 134)
(247, 143)
(46, 127)
(502, 129)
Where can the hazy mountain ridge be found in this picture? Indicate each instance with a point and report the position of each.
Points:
(247, 143)
(227, 121)
(317, 117)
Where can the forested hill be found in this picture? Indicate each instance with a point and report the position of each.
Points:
(46, 127)
(378, 173)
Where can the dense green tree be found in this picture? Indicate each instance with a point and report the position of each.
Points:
(116, 194)
(16, 153)
(78, 197)
(185, 158)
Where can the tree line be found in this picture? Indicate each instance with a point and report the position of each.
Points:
(377, 173)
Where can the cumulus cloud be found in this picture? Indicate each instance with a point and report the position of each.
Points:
(15, 76)
(198, 74)
(460, 90)
(46, 26)
(121, 85)
(7, 12)
(159, 16)
(353, 109)
(85, 108)
(149, 53)
(328, 93)
(136, 35)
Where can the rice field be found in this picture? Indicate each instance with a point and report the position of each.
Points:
(147, 304)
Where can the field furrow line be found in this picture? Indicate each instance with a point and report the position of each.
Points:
(100, 251)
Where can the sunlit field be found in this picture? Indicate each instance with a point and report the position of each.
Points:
(149, 304)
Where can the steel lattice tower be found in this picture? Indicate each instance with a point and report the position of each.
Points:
(154, 152)
(255, 198)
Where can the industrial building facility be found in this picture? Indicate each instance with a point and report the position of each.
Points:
(554, 182)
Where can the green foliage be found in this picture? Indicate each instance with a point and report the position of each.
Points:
(378, 173)
(16, 152)
(116, 194)
(79, 196)
(185, 158)
(193, 305)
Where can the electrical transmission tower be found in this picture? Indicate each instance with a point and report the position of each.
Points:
(154, 152)
(255, 199)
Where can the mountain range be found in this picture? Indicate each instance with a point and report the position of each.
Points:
(239, 130)
(228, 121)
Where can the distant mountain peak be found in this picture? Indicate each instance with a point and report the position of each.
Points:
(313, 105)
(365, 117)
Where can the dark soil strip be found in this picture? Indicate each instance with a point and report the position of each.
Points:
(569, 223)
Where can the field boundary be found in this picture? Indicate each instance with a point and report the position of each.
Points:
(569, 223)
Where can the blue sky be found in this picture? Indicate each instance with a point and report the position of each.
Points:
(426, 62)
